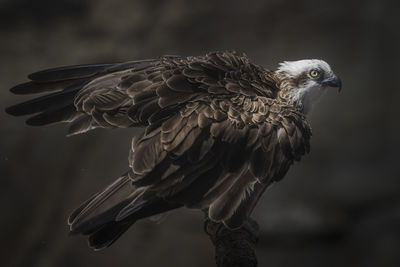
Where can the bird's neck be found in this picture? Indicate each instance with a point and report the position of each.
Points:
(302, 97)
(285, 93)
(286, 98)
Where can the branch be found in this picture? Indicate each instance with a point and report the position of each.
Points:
(233, 248)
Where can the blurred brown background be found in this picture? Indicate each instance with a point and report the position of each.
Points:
(339, 207)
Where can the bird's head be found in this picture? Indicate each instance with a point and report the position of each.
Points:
(303, 82)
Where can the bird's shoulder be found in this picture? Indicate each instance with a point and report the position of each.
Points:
(231, 70)
(254, 111)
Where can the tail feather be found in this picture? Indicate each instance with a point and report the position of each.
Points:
(106, 235)
(98, 217)
(120, 191)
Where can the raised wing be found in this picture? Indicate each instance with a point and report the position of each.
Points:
(135, 93)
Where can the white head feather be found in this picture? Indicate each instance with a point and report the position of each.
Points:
(295, 68)
(310, 90)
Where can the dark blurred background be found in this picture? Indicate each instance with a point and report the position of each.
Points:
(339, 207)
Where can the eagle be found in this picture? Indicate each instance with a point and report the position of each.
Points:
(218, 130)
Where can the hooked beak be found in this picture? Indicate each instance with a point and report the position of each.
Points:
(333, 81)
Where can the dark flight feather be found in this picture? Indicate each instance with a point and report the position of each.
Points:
(33, 87)
(64, 114)
(68, 72)
(43, 103)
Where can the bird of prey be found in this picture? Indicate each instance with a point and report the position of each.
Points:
(218, 130)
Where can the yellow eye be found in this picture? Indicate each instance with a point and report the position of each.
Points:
(314, 73)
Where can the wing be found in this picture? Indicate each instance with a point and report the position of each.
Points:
(138, 92)
(219, 154)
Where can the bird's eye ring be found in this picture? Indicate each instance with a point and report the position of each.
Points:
(314, 73)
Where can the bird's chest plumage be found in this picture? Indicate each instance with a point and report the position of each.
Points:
(277, 133)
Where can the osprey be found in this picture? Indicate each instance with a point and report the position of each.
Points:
(218, 130)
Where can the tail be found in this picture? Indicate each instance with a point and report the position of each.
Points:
(109, 213)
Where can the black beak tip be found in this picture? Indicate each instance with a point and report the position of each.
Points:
(334, 82)
(339, 84)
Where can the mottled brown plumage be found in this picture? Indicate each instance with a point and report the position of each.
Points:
(218, 131)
